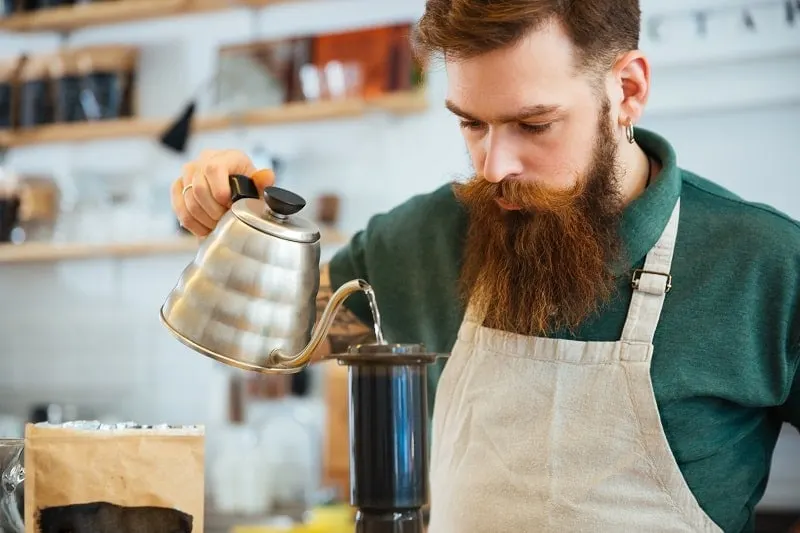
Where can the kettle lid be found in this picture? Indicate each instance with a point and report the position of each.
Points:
(275, 215)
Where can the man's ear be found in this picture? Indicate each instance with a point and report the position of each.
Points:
(631, 74)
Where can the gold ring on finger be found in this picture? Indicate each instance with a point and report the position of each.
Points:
(183, 192)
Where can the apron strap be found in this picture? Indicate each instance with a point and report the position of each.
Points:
(650, 285)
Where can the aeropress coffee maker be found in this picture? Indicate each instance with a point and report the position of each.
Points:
(249, 300)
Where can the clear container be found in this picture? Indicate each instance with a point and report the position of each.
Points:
(12, 476)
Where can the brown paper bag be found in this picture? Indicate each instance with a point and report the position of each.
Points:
(92, 478)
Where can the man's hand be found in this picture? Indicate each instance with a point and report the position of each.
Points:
(203, 194)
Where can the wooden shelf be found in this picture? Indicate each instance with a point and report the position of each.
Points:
(396, 103)
(51, 252)
(84, 131)
(6, 138)
(39, 252)
(69, 18)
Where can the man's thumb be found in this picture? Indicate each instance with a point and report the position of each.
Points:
(263, 178)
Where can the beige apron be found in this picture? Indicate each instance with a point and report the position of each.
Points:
(534, 434)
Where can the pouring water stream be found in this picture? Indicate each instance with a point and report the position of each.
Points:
(376, 315)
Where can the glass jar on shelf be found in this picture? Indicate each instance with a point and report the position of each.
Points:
(12, 476)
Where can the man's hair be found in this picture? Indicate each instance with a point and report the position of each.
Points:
(601, 30)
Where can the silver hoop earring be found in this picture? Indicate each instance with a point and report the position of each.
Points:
(629, 132)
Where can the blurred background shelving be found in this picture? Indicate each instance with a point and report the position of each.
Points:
(46, 251)
(397, 103)
(71, 16)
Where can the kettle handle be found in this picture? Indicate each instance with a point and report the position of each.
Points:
(242, 187)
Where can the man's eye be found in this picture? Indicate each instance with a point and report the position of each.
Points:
(536, 128)
(471, 125)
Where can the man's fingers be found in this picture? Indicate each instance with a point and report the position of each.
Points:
(201, 190)
(185, 217)
(202, 196)
(191, 203)
(217, 170)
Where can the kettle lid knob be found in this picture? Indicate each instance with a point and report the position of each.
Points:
(283, 203)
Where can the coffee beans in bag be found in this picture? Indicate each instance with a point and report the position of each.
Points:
(87, 477)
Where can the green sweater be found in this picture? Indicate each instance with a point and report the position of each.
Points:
(727, 347)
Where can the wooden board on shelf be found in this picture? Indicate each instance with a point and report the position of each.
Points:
(37, 252)
(44, 252)
(69, 18)
(6, 139)
(86, 131)
(396, 103)
(336, 446)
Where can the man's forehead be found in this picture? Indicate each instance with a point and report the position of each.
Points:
(544, 53)
(517, 99)
(533, 76)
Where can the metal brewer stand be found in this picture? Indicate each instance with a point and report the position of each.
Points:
(388, 393)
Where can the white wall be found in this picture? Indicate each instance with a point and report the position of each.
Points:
(730, 104)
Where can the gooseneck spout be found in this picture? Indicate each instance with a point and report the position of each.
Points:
(280, 358)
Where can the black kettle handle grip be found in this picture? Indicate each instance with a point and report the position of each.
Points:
(242, 187)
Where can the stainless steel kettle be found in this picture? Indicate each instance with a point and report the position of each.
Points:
(249, 297)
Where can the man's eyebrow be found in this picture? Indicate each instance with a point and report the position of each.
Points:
(524, 113)
(458, 111)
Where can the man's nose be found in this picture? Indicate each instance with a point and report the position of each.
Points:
(501, 160)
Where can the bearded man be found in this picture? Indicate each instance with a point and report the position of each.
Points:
(624, 334)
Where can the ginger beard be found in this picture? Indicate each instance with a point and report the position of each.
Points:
(547, 266)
